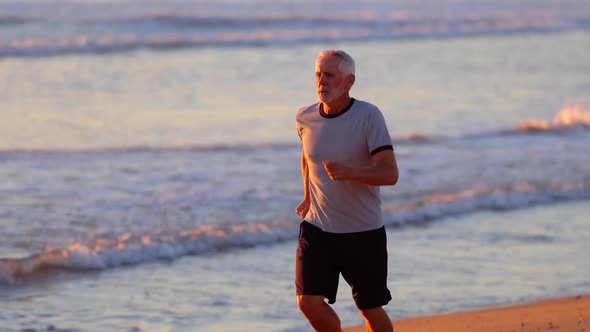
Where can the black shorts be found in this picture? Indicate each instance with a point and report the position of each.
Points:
(360, 257)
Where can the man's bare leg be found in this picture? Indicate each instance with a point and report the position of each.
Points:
(320, 315)
(377, 320)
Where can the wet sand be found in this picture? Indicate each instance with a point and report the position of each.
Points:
(571, 314)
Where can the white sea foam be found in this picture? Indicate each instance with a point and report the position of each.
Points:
(478, 199)
(568, 117)
(131, 248)
(160, 31)
(495, 172)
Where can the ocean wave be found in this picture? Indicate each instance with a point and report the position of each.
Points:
(13, 20)
(105, 252)
(569, 119)
(484, 198)
(416, 138)
(188, 21)
(155, 149)
(172, 31)
(108, 251)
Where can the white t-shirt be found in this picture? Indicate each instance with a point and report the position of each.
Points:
(351, 136)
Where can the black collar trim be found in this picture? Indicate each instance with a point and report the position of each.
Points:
(335, 115)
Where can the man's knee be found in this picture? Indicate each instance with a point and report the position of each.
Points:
(377, 319)
(377, 312)
(308, 304)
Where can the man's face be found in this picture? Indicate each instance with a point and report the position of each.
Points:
(330, 82)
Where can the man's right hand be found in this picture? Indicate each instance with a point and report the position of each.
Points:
(303, 208)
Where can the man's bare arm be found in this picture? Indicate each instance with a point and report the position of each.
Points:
(383, 171)
(303, 207)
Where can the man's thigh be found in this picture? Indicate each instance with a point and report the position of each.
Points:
(315, 273)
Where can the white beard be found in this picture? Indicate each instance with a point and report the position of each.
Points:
(330, 96)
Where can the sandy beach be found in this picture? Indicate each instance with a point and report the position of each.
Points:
(571, 314)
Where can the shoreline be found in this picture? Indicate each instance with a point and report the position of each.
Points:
(567, 314)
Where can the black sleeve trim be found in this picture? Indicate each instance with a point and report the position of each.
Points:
(382, 148)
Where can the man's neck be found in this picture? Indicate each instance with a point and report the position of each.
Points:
(337, 105)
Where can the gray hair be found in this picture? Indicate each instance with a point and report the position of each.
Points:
(346, 65)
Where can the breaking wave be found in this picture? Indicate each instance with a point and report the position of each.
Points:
(568, 119)
(108, 251)
(173, 31)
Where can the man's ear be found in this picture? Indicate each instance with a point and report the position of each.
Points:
(350, 81)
